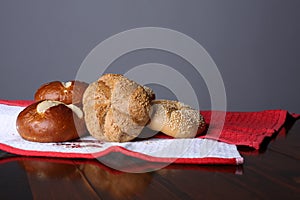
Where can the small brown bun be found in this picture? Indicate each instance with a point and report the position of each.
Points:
(116, 108)
(175, 119)
(50, 121)
(67, 92)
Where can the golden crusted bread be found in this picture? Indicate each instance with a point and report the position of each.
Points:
(50, 121)
(175, 119)
(116, 108)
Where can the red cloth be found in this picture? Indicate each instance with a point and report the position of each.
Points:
(248, 128)
(165, 151)
(244, 128)
(240, 128)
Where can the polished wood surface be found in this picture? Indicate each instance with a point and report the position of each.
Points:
(271, 173)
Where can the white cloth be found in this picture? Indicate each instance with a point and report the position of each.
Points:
(158, 148)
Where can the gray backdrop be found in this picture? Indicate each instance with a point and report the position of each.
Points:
(255, 44)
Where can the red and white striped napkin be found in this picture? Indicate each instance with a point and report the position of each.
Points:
(191, 151)
(215, 147)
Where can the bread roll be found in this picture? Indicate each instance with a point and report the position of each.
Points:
(70, 92)
(116, 108)
(175, 119)
(50, 121)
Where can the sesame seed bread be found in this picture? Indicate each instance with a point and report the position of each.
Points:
(175, 119)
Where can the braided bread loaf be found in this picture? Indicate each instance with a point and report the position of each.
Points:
(175, 119)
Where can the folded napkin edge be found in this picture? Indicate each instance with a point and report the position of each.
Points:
(205, 160)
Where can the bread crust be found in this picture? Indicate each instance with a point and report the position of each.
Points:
(69, 93)
(56, 124)
(175, 119)
(116, 108)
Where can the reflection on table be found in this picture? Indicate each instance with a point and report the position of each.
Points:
(270, 173)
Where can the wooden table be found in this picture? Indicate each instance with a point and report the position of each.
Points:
(271, 173)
